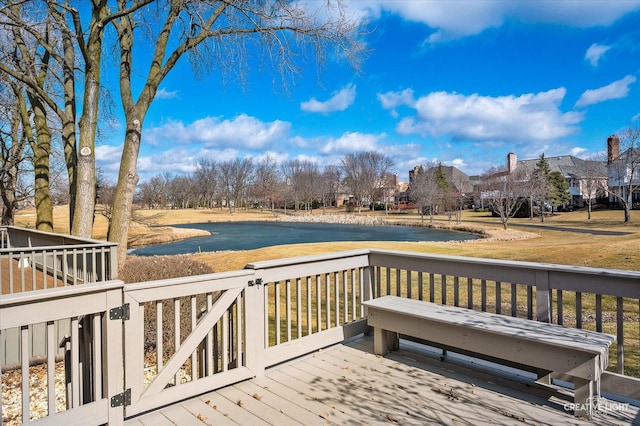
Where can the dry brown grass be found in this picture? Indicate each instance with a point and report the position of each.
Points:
(548, 245)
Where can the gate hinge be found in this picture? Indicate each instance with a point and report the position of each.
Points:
(258, 281)
(121, 399)
(121, 312)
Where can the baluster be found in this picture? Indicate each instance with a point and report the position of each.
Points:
(318, 304)
(34, 269)
(225, 341)
(388, 270)
(456, 291)
(336, 288)
(514, 301)
(620, 333)
(560, 308)
(176, 333)
(309, 324)
(277, 310)
(97, 357)
(599, 313)
(470, 293)
(194, 363)
(353, 295)
(51, 368)
(420, 285)
(578, 309)
(443, 288)
(498, 297)
(409, 283)
(239, 331)
(287, 308)
(345, 297)
(432, 288)
(210, 339)
(159, 337)
(327, 279)
(483, 295)
(298, 308)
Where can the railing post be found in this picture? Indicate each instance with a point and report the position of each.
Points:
(255, 326)
(113, 345)
(543, 296)
(113, 263)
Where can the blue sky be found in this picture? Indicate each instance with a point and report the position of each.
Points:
(458, 82)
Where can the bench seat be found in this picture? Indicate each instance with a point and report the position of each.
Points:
(580, 355)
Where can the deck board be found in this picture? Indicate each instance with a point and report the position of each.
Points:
(348, 384)
(12, 275)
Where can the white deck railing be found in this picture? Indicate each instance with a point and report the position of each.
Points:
(187, 336)
(34, 260)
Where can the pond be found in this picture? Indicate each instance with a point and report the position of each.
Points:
(253, 235)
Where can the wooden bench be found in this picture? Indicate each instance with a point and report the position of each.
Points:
(579, 355)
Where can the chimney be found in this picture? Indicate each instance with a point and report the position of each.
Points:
(512, 162)
(613, 148)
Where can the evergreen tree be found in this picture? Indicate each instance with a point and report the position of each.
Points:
(560, 190)
(542, 190)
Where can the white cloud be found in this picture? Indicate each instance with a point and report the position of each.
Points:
(351, 142)
(578, 151)
(108, 152)
(595, 52)
(392, 100)
(242, 131)
(528, 117)
(458, 163)
(165, 94)
(456, 19)
(340, 101)
(635, 117)
(616, 90)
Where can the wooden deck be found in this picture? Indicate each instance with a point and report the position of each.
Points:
(13, 274)
(348, 384)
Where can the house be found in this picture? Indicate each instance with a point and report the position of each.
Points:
(623, 172)
(460, 184)
(586, 179)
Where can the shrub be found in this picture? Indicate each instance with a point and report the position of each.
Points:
(149, 268)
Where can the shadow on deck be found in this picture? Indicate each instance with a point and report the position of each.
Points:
(347, 384)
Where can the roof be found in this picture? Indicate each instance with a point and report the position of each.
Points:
(570, 166)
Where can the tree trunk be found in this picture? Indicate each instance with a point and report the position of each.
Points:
(41, 152)
(8, 189)
(127, 181)
(627, 213)
(85, 184)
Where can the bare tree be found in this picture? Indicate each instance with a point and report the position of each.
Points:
(206, 188)
(329, 184)
(235, 177)
(232, 36)
(593, 182)
(217, 34)
(266, 182)
(503, 192)
(624, 170)
(364, 173)
(13, 142)
(424, 189)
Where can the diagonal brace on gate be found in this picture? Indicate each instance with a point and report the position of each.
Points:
(192, 341)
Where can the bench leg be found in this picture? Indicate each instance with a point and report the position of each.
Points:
(585, 397)
(384, 341)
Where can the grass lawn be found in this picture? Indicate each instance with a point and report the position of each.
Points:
(545, 245)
